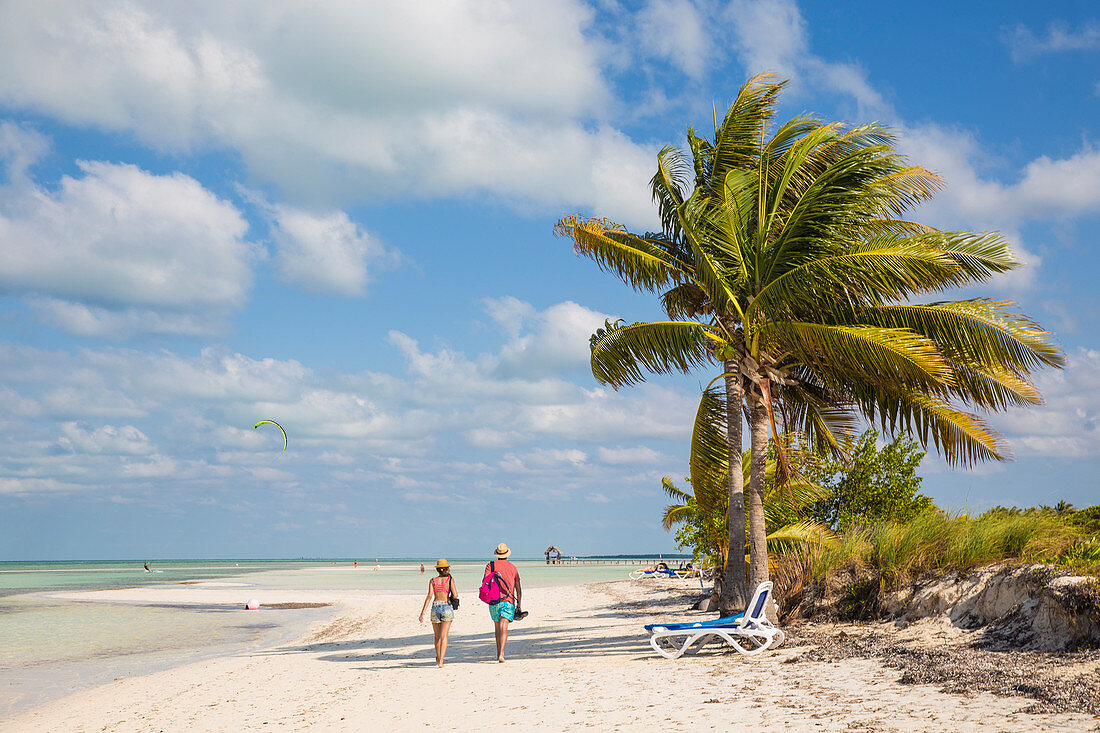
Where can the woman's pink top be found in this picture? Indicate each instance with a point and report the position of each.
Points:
(441, 584)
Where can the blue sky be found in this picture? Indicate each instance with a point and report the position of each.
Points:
(339, 216)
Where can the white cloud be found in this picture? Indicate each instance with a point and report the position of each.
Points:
(121, 236)
(770, 36)
(157, 466)
(1068, 422)
(489, 438)
(547, 342)
(1066, 187)
(623, 456)
(324, 253)
(101, 418)
(124, 440)
(645, 411)
(554, 456)
(345, 101)
(1024, 45)
(676, 30)
(119, 249)
(1045, 188)
(20, 147)
(28, 486)
(93, 321)
(16, 405)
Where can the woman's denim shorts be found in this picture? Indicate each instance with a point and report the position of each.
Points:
(442, 611)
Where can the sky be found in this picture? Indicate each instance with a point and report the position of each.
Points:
(339, 215)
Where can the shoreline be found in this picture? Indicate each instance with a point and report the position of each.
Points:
(35, 683)
(60, 637)
(580, 660)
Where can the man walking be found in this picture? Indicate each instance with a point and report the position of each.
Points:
(506, 610)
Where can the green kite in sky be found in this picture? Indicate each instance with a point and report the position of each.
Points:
(261, 422)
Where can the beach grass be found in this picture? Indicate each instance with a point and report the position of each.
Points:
(896, 553)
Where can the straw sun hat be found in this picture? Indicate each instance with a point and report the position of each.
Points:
(502, 552)
(441, 563)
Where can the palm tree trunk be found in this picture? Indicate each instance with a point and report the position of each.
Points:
(758, 460)
(734, 588)
(716, 588)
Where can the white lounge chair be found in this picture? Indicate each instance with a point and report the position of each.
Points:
(749, 633)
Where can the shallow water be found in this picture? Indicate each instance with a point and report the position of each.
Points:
(49, 647)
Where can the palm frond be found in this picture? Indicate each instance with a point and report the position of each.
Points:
(960, 437)
(802, 532)
(979, 254)
(869, 354)
(643, 263)
(673, 492)
(686, 301)
(709, 460)
(676, 513)
(864, 273)
(978, 330)
(667, 187)
(620, 355)
(732, 222)
(717, 280)
(737, 141)
(992, 388)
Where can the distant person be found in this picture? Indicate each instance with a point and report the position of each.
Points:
(507, 609)
(355, 564)
(440, 590)
(147, 568)
(376, 565)
(421, 568)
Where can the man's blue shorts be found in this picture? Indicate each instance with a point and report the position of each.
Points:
(503, 610)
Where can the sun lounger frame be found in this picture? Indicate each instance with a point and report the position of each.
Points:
(750, 633)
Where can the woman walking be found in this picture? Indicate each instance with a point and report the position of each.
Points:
(440, 591)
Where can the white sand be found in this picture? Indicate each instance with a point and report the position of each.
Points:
(580, 660)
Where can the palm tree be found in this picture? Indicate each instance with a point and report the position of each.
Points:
(784, 505)
(793, 262)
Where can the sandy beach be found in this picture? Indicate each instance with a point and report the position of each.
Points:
(579, 661)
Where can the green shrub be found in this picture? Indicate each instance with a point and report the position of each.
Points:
(872, 484)
(1087, 519)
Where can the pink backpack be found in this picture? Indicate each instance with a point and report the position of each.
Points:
(490, 591)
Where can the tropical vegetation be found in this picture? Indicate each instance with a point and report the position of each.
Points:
(784, 260)
(869, 483)
(884, 554)
(701, 517)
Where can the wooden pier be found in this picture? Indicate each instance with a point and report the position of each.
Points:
(602, 561)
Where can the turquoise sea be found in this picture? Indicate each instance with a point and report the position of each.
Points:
(51, 646)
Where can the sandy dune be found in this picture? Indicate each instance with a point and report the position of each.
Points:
(579, 661)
